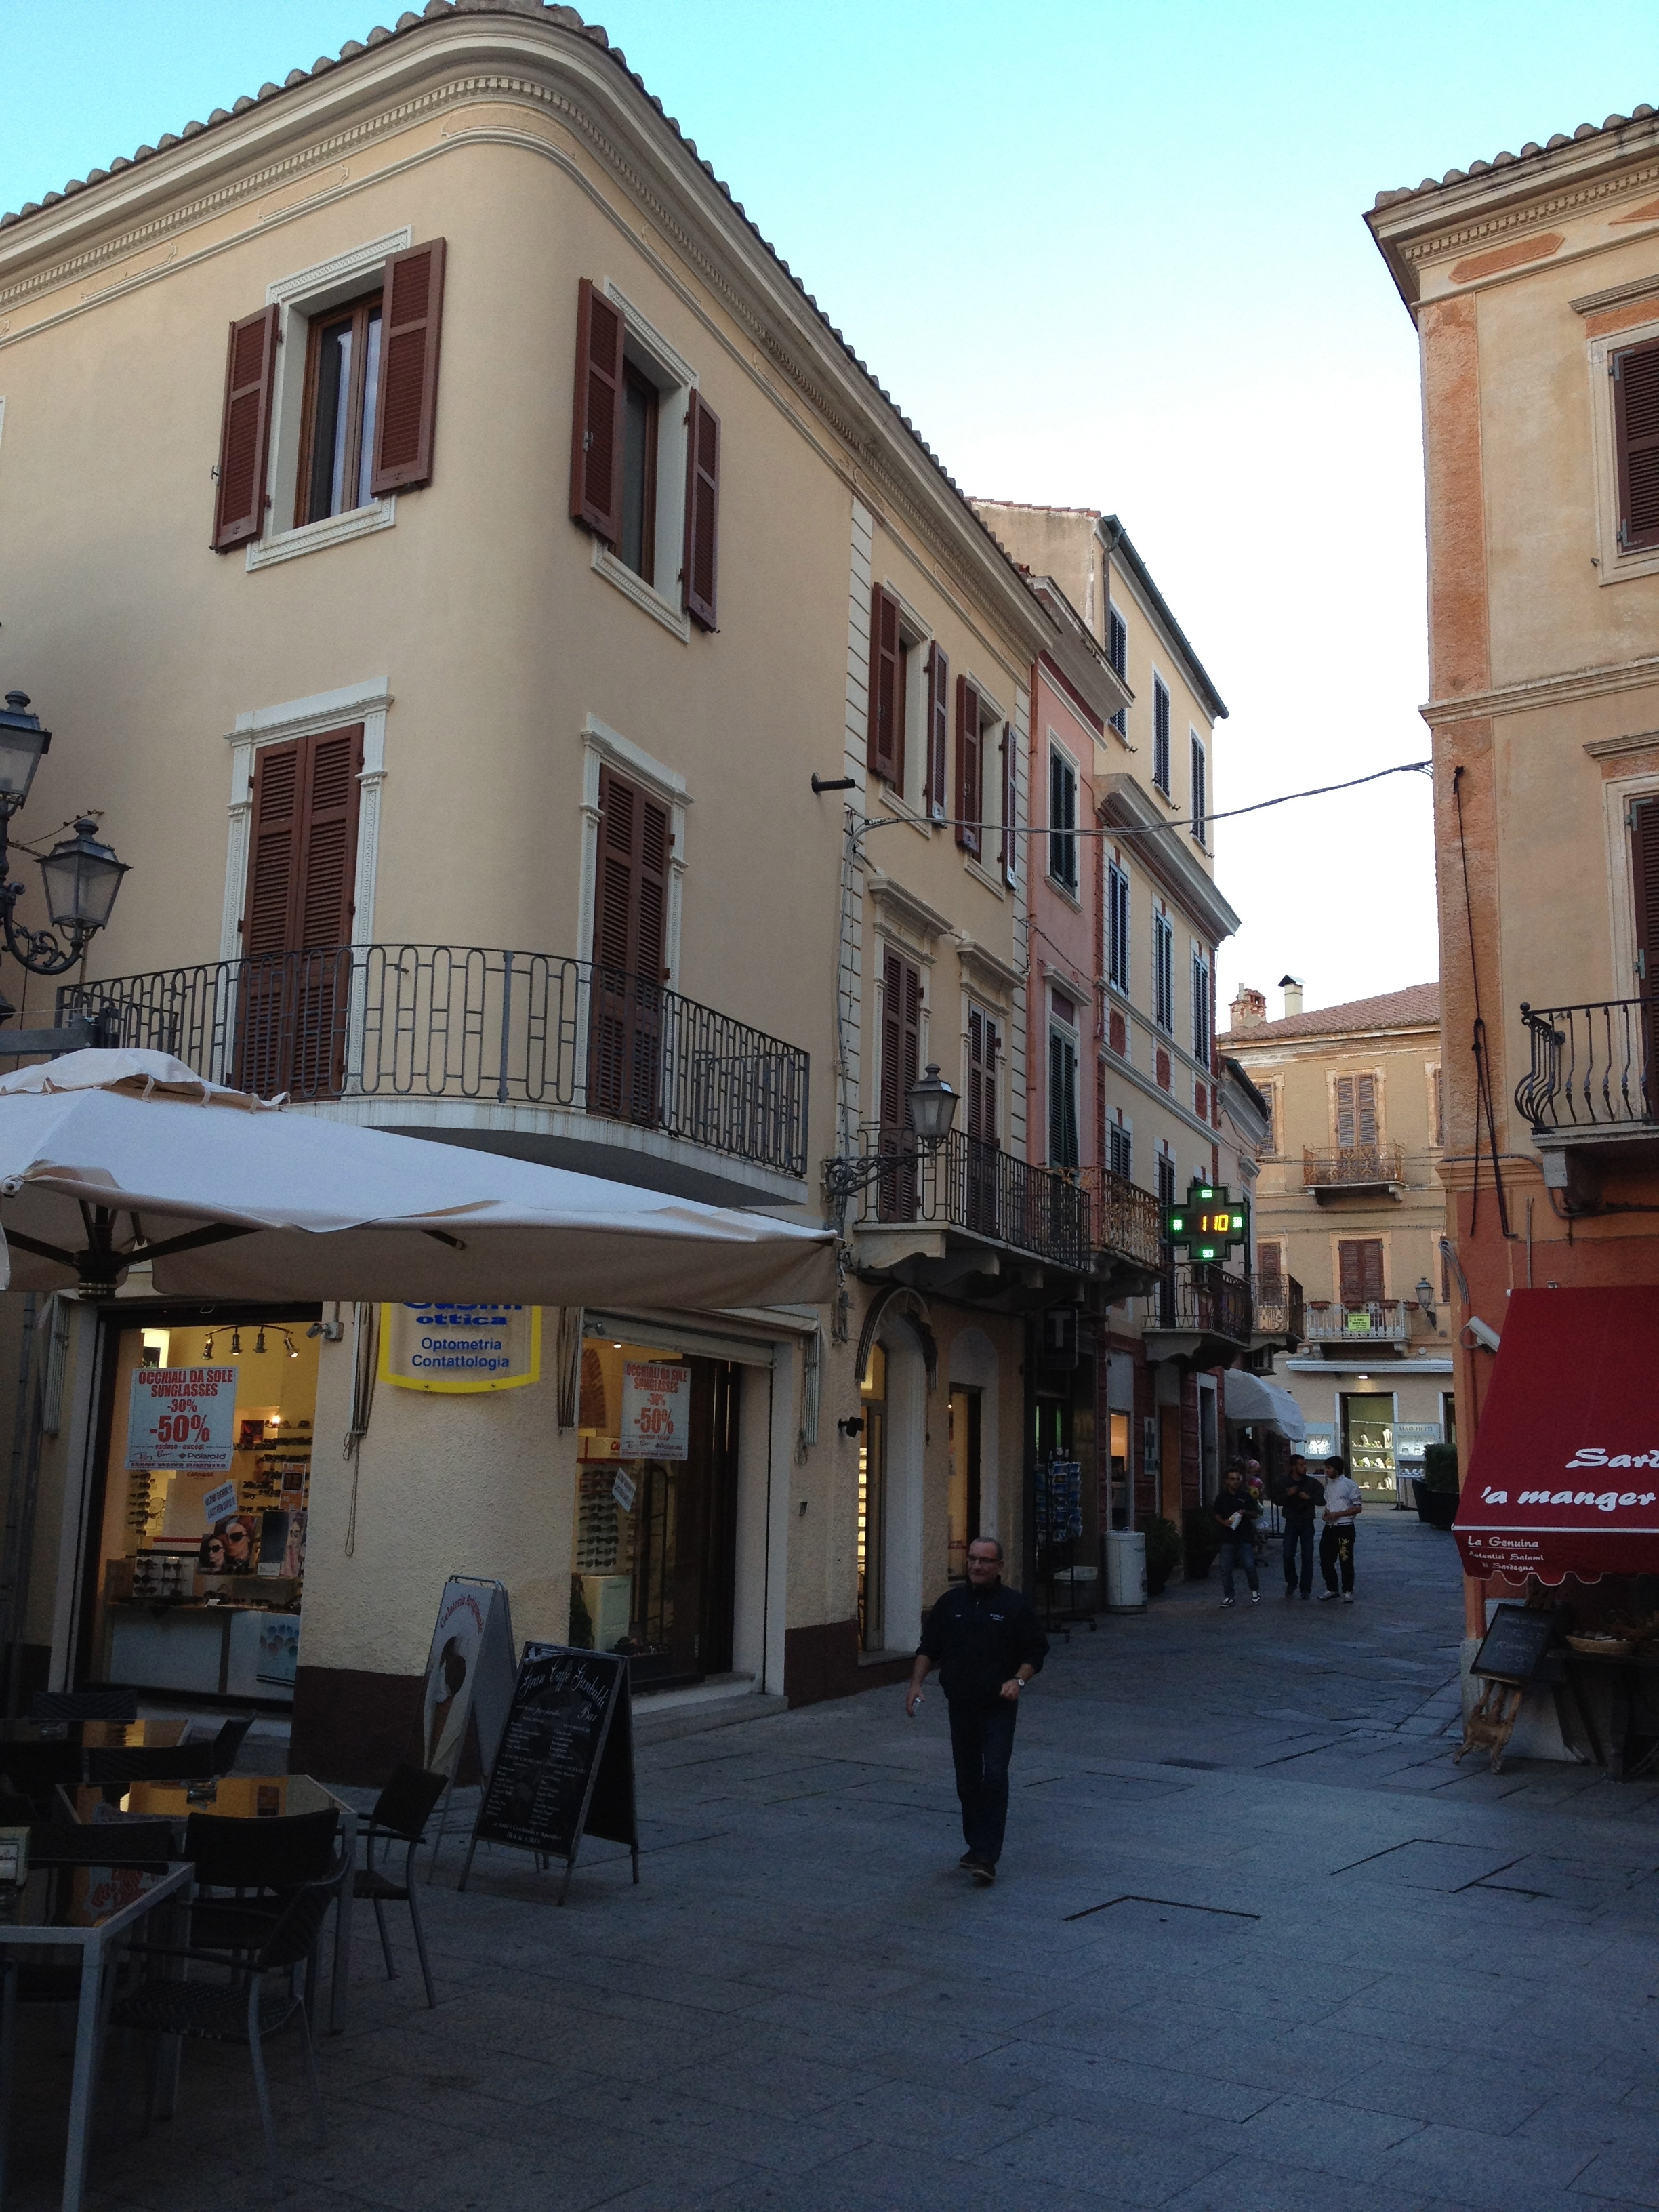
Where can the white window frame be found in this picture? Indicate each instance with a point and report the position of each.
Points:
(992, 717)
(1066, 1034)
(1060, 756)
(1618, 796)
(1615, 565)
(1122, 1128)
(1199, 798)
(1161, 691)
(1163, 974)
(1120, 971)
(301, 298)
(645, 349)
(1199, 963)
(1119, 721)
(603, 746)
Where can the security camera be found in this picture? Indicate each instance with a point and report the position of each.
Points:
(1482, 1338)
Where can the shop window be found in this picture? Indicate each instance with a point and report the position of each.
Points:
(1368, 1440)
(962, 1505)
(199, 1574)
(655, 1541)
(872, 1469)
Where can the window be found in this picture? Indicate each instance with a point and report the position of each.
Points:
(1161, 734)
(938, 728)
(1359, 1269)
(1164, 972)
(1270, 1099)
(1635, 373)
(984, 1051)
(1117, 651)
(1436, 1089)
(1270, 1273)
(645, 458)
(1117, 927)
(1201, 1012)
(1356, 1111)
(901, 1064)
(1201, 811)
(885, 754)
(1009, 756)
(630, 917)
(1062, 1084)
(1166, 1176)
(986, 771)
(337, 444)
(1062, 821)
(1120, 1151)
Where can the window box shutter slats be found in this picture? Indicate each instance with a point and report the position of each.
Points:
(938, 729)
(238, 508)
(968, 807)
(703, 492)
(406, 408)
(885, 758)
(1636, 427)
(596, 440)
(1009, 803)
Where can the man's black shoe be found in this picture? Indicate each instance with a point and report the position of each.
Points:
(981, 1870)
(967, 1858)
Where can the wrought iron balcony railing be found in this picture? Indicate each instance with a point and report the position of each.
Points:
(457, 1022)
(1592, 1066)
(1351, 1166)
(1125, 1218)
(1336, 1321)
(1283, 1312)
(969, 1184)
(1204, 1298)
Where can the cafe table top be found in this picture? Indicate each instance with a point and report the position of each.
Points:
(231, 1797)
(97, 1735)
(61, 1904)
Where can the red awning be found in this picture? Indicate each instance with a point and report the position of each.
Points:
(1564, 1475)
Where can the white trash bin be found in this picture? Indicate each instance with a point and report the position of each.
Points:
(1125, 1570)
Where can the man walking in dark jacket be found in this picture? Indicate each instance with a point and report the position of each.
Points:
(987, 1642)
(1300, 1502)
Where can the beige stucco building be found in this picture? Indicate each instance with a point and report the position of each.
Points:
(454, 650)
(1349, 1218)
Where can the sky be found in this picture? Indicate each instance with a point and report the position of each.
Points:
(1104, 255)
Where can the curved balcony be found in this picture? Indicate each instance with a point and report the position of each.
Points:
(1353, 1171)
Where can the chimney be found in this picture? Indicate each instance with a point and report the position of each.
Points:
(1292, 987)
(1250, 1009)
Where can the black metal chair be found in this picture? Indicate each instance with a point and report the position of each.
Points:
(245, 2008)
(84, 1705)
(228, 1742)
(400, 1814)
(262, 1863)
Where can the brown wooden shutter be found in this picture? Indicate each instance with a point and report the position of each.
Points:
(1356, 1111)
(1270, 1274)
(703, 495)
(274, 842)
(1009, 803)
(1645, 877)
(630, 920)
(886, 755)
(239, 509)
(970, 809)
(938, 729)
(1636, 426)
(411, 324)
(984, 1044)
(596, 440)
(1359, 1268)
(901, 1035)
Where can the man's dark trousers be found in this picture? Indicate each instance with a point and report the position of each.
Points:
(1299, 1540)
(982, 1744)
(1336, 1549)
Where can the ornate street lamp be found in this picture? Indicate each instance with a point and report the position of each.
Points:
(933, 1110)
(80, 876)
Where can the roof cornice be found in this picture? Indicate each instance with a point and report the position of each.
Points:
(1117, 542)
(1125, 804)
(547, 60)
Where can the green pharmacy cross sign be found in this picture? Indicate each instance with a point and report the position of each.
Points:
(1210, 1225)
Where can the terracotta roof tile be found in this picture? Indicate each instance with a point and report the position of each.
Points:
(1420, 1004)
(1529, 152)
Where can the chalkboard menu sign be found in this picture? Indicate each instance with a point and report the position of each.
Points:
(565, 1765)
(1515, 1643)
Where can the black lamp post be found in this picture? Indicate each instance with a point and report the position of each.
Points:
(80, 876)
(932, 1106)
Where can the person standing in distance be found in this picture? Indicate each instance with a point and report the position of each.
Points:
(1301, 1506)
(988, 1642)
(1343, 1507)
(1236, 1509)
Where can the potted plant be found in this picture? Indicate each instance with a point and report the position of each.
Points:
(1436, 1488)
(1162, 1554)
(1200, 1542)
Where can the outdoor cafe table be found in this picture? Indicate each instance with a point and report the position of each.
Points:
(35, 1754)
(252, 1797)
(41, 1924)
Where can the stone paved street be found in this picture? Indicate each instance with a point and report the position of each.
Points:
(1258, 1944)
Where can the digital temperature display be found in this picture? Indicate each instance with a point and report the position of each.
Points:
(1209, 1225)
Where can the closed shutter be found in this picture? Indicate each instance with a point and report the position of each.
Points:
(984, 1044)
(239, 509)
(411, 323)
(295, 998)
(1270, 1274)
(1644, 876)
(1636, 425)
(1009, 803)
(629, 950)
(1062, 1101)
(938, 729)
(596, 438)
(1359, 1268)
(901, 1064)
(969, 809)
(703, 496)
(886, 755)
(1356, 1111)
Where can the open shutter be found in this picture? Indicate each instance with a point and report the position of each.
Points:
(1009, 803)
(595, 440)
(938, 729)
(969, 808)
(702, 493)
(411, 323)
(885, 756)
(239, 509)
(1636, 427)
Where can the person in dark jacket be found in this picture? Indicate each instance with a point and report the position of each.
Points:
(1304, 1495)
(988, 1642)
(1236, 1508)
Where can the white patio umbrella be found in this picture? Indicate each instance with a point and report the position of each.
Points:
(113, 1158)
